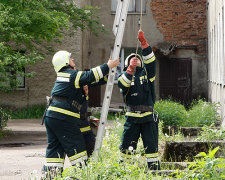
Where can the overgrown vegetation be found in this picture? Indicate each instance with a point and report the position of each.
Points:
(174, 114)
(170, 112)
(205, 166)
(202, 113)
(4, 117)
(27, 29)
(109, 165)
(211, 133)
(33, 112)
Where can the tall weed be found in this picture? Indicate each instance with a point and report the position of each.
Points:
(202, 113)
(210, 133)
(205, 166)
(171, 113)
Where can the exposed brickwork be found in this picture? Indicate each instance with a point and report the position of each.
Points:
(182, 21)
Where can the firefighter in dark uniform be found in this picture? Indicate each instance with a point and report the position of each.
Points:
(137, 87)
(62, 117)
(85, 127)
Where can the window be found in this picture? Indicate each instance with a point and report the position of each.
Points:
(9, 76)
(123, 54)
(134, 7)
(20, 80)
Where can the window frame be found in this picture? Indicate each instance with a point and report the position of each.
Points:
(124, 52)
(134, 6)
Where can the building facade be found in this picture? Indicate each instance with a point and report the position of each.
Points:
(216, 61)
(177, 31)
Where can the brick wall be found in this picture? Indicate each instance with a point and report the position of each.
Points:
(182, 21)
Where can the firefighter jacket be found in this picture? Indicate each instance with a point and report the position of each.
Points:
(84, 114)
(139, 88)
(69, 85)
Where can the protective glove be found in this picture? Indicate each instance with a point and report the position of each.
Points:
(132, 66)
(142, 39)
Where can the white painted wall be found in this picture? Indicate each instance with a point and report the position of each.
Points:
(216, 57)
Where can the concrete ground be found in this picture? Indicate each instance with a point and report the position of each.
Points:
(23, 150)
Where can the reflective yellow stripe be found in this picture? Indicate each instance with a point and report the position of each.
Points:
(63, 75)
(54, 160)
(152, 79)
(77, 84)
(152, 155)
(88, 128)
(99, 72)
(123, 82)
(95, 74)
(106, 78)
(138, 114)
(143, 77)
(76, 156)
(149, 56)
(51, 108)
(149, 60)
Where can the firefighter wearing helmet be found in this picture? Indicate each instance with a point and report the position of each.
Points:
(62, 117)
(137, 87)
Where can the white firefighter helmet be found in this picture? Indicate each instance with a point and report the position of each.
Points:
(60, 59)
(127, 60)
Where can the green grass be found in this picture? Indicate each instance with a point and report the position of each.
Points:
(110, 167)
(33, 112)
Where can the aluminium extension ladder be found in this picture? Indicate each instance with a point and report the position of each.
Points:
(118, 30)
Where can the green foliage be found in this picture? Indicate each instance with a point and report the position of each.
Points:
(4, 117)
(171, 113)
(169, 137)
(207, 167)
(109, 165)
(202, 113)
(211, 133)
(33, 112)
(174, 114)
(27, 27)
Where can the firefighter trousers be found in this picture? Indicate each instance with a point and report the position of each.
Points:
(149, 134)
(64, 138)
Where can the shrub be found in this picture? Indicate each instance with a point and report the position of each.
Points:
(171, 113)
(4, 117)
(202, 113)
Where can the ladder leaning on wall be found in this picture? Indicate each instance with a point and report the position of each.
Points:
(118, 30)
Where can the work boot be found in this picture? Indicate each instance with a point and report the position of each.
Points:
(50, 172)
(154, 165)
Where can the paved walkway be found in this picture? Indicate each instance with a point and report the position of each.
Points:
(22, 152)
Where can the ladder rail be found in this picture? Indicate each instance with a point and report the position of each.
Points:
(118, 29)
